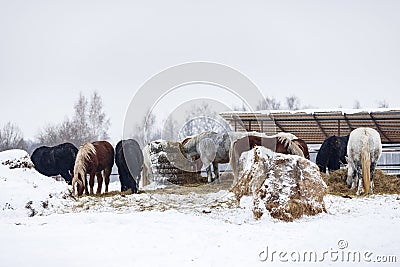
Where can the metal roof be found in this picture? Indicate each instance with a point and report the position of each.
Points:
(314, 126)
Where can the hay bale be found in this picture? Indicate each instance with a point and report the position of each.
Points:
(383, 183)
(165, 159)
(285, 186)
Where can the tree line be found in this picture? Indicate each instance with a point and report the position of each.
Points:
(90, 123)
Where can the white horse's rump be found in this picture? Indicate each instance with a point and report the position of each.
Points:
(363, 151)
(147, 173)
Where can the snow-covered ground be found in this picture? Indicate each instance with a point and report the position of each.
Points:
(156, 229)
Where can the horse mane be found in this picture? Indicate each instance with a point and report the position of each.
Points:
(291, 146)
(290, 136)
(84, 153)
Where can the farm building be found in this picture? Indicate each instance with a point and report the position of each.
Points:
(314, 126)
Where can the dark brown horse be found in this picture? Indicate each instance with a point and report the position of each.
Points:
(277, 144)
(92, 159)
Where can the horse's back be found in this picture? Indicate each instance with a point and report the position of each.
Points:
(64, 155)
(128, 154)
(104, 154)
(38, 154)
(323, 154)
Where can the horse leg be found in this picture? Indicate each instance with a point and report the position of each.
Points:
(209, 174)
(91, 182)
(67, 176)
(357, 175)
(107, 173)
(372, 171)
(207, 163)
(351, 176)
(99, 182)
(139, 177)
(359, 179)
(86, 185)
(360, 185)
(216, 172)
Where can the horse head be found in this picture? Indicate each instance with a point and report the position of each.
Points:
(78, 183)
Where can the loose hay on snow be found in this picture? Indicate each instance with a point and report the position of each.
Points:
(198, 188)
(383, 183)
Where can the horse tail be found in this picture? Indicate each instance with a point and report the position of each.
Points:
(366, 166)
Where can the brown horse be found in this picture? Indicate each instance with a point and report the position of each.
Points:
(303, 146)
(277, 144)
(92, 159)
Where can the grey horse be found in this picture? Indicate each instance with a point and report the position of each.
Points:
(212, 148)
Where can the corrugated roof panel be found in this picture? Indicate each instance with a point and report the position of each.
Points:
(316, 125)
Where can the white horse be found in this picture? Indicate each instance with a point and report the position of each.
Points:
(147, 173)
(363, 151)
(212, 148)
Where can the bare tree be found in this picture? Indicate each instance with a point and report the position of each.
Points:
(269, 103)
(202, 119)
(239, 108)
(98, 122)
(11, 137)
(356, 104)
(383, 104)
(292, 102)
(147, 130)
(170, 131)
(89, 123)
(54, 134)
(80, 120)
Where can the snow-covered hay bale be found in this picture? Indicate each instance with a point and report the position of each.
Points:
(24, 191)
(167, 159)
(16, 158)
(285, 186)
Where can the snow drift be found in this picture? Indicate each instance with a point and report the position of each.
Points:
(24, 191)
(16, 158)
(285, 186)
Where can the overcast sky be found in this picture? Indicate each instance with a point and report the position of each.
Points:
(328, 53)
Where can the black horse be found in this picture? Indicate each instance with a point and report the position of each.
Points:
(332, 152)
(51, 161)
(129, 160)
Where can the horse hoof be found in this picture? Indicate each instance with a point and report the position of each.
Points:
(216, 181)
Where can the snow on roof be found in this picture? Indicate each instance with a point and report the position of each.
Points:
(313, 111)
